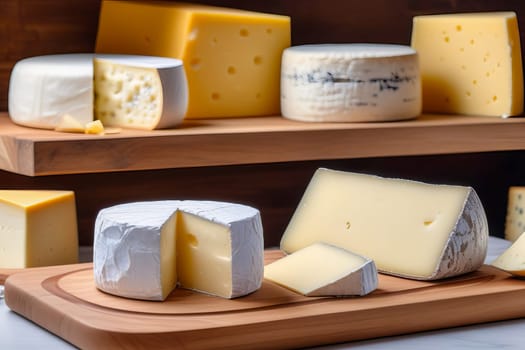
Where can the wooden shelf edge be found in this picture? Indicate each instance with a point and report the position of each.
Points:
(201, 143)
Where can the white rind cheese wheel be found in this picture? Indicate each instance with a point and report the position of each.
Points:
(350, 83)
(43, 89)
(142, 250)
(410, 229)
(512, 260)
(324, 270)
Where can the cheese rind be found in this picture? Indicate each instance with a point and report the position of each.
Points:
(470, 63)
(410, 229)
(324, 270)
(37, 228)
(350, 83)
(216, 248)
(232, 58)
(512, 260)
(43, 89)
(515, 218)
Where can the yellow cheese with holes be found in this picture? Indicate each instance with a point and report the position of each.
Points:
(37, 228)
(410, 229)
(470, 63)
(232, 58)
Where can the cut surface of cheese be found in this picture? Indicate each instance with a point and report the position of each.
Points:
(143, 249)
(515, 218)
(129, 91)
(140, 92)
(37, 228)
(512, 260)
(410, 229)
(324, 270)
(350, 83)
(232, 57)
(470, 63)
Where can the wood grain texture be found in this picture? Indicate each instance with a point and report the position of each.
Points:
(65, 301)
(249, 141)
(38, 27)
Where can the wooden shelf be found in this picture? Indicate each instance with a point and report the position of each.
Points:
(260, 140)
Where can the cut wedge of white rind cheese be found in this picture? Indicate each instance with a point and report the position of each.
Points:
(410, 229)
(142, 250)
(350, 83)
(324, 270)
(43, 89)
(512, 260)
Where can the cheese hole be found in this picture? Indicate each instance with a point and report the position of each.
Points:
(257, 60)
(214, 41)
(215, 96)
(348, 225)
(463, 67)
(195, 63)
(474, 82)
(458, 28)
(468, 93)
(231, 70)
(472, 41)
(461, 49)
(494, 98)
(258, 95)
(192, 240)
(268, 30)
(244, 32)
(447, 39)
(118, 87)
(428, 222)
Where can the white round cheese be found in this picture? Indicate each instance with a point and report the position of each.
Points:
(43, 89)
(142, 250)
(350, 83)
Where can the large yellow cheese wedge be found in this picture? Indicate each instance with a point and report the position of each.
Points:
(232, 57)
(37, 228)
(470, 63)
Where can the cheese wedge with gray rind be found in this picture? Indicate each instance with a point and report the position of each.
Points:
(350, 83)
(143, 249)
(410, 229)
(324, 270)
(512, 260)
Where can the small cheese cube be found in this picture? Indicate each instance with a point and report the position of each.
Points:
(512, 260)
(324, 270)
(37, 228)
(470, 63)
(515, 219)
(232, 57)
(410, 229)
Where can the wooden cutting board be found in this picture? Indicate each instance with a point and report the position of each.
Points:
(64, 300)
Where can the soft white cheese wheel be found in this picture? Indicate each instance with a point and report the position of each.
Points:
(350, 83)
(322, 269)
(43, 89)
(410, 229)
(142, 250)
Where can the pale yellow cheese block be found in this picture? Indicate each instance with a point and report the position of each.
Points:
(470, 63)
(515, 218)
(410, 229)
(512, 260)
(37, 228)
(232, 58)
(324, 270)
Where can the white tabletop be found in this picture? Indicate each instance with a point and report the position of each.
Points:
(17, 332)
